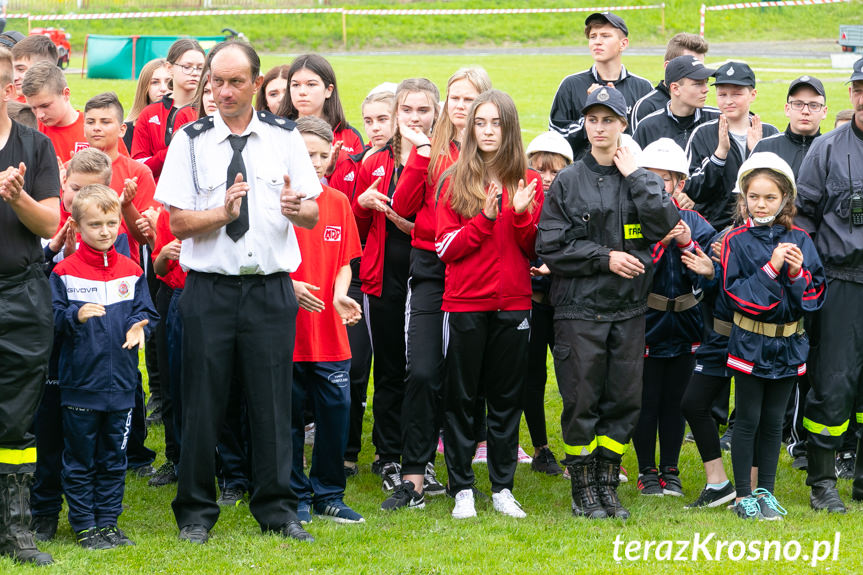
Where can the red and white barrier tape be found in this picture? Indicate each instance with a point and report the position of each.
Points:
(739, 5)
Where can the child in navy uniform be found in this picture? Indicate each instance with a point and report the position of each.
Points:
(772, 275)
(102, 314)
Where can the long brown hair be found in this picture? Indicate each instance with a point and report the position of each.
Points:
(411, 86)
(445, 131)
(274, 73)
(319, 66)
(142, 92)
(469, 176)
(786, 216)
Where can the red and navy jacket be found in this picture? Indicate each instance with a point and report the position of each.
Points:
(669, 333)
(416, 196)
(711, 357)
(764, 294)
(154, 129)
(487, 261)
(95, 371)
(344, 176)
(352, 141)
(372, 224)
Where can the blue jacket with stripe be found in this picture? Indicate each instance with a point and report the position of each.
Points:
(95, 371)
(764, 294)
(669, 333)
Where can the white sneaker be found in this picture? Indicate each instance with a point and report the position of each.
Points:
(523, 457)
(505, 503)
(464, 505)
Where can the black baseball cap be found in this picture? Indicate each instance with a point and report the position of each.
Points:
(810, 81)
(608, 97)
(686, 66)
(857, 75)
(736, 73)
(10, 38)
(610, 18)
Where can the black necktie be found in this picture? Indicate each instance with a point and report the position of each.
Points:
(240, 226)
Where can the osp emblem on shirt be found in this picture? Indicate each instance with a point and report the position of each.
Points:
(123, 289)
(379, 171)
(333, 234)
(154, 120)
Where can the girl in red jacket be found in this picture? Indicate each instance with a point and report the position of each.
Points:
(384, 269)
(313, 92)
(158, 121)
(415, 197)
(272, 91)
(486, 228)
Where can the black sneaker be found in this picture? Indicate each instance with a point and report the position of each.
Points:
(115, 536)
(689, 437)
(670, 482)
(377, 466)
(431, 486)
(145, 470)
(92, 539)
(351, 469)
(545, 462)
(801, 463)
(231, 497)
(165, 475)
(648, 482)
(404, 496)
(748, 508)
(845, 464)
(391, 476)
(725, 440)
(713, 497)
(44, 527)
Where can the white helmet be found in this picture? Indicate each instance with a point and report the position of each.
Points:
(664, 154)
(550, 142)
(769, 161)
(629, 142)
(387, 87)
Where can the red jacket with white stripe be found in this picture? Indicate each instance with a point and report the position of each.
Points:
(95, 371)
(760, 292)
(154, 129)
(415, 196)
(487, 261)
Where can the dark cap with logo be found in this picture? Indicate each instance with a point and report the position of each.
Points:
(810, 81)
(736, 73)
(857, 75)
(609, 18)
(608, 97)
(686, 66)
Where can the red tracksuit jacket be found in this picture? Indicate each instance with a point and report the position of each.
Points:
(154, 129)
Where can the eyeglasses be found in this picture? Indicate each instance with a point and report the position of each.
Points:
(191, 70)
(800, 104)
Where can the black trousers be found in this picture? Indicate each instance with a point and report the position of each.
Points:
(424, 382)
(837, 377)
(533, 399)
(153, 351)
(485, 352)
(760, 406)
(244, 327)
(166, 397)
(599, 368)
(26, 335)
(361, 366)
(46, 493)
(696, 406)
(665, 380)
(386, 317)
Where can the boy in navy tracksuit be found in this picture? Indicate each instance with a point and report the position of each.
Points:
(102, 313)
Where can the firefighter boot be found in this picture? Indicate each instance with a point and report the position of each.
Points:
(821, 477)
(857, 488)
(16, 540)
(585, 502)
(607, 474)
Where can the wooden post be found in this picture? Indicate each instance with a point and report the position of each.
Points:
(662, 25)
(344, 29)
(84, 62)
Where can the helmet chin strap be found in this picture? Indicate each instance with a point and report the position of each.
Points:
(768, 219)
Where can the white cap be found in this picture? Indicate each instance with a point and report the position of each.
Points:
(550, 142)
(770, 161)
(385, 87)
(665, 154)
(629, 142)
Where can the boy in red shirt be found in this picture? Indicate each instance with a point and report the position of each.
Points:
(322, 354)
(28, 52)
(133, 181)
(44, 86)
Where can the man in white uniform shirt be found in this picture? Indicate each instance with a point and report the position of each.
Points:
(238, 307)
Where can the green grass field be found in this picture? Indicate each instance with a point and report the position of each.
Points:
(549, 540)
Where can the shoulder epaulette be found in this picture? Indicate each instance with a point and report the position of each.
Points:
(274, 120)
(198, 127)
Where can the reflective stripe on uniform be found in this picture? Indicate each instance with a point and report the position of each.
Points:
(860, 418)
(580, 449)
(821, 429)
(17, 456)
(611, 445)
